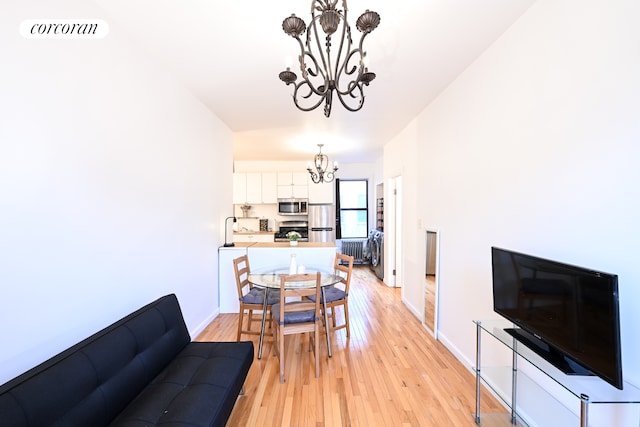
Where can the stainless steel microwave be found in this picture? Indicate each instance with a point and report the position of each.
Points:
(292, 206)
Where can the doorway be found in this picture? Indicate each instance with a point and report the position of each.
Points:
(393, 268)
(431, 282)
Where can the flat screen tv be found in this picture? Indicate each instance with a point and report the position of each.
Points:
(567, 314)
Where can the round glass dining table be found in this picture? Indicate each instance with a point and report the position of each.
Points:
(269, 278)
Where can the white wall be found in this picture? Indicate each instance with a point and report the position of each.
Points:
(401, 160)
(114, 185)
(535, 148)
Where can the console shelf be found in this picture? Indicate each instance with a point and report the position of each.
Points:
(507, 382)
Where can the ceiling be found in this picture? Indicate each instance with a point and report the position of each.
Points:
(229, 54)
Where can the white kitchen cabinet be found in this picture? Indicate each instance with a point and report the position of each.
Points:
(300, 191)
(293, 192)
(292, 178)
(299, 178)
(253, 238)
(293, 185)
(269, 187)
(285, 178)
(254, 188)
(239, 188)
(321, 192)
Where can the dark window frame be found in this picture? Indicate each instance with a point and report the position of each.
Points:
(339, 209)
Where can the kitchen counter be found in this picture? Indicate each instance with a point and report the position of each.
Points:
(237, 245)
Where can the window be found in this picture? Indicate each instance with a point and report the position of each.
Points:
(354, 210)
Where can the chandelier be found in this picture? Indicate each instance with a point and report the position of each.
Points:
(325, 71)
(320, 163)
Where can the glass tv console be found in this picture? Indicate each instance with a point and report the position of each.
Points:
(504, 380)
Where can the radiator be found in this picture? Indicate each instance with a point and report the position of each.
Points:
(354, 248)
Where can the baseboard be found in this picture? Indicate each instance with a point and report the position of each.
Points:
(412, 309)
(470, 365)
(201, 327)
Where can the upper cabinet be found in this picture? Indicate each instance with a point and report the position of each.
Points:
(239, 188)
(321, 192)
(267, 187)
(254, 188)
(292, 185)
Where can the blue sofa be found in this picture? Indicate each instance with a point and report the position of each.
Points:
(142, 370)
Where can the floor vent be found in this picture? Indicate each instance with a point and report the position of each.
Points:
(355, 249)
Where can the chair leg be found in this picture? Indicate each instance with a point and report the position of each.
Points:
(346, 318)
(281, 350)
(316, 351)
(275, 340)
(250, 320)
(240, 316)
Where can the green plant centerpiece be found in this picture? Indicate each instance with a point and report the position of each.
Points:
(293, 236)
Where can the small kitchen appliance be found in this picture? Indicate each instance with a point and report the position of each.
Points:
(292, 206)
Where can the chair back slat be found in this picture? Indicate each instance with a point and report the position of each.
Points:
(344, 271)
(242, 270)
(288, 292)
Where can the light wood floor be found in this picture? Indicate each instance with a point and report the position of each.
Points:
(391, 372)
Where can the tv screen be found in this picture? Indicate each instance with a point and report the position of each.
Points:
(567, 314)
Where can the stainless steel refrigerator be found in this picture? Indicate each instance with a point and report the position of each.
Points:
(322, 223)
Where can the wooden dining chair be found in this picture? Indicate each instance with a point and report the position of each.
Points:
(299, 316)
(251, 298)
(338, 294)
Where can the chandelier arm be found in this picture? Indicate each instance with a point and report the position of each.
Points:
(313, 25)
(355, 88)
(314, 72)
(346, 30)
(360, 96)
(303, 95)
(351, 71)
(314, 177)
(329, 177)
(295, 96)
(359, 50)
